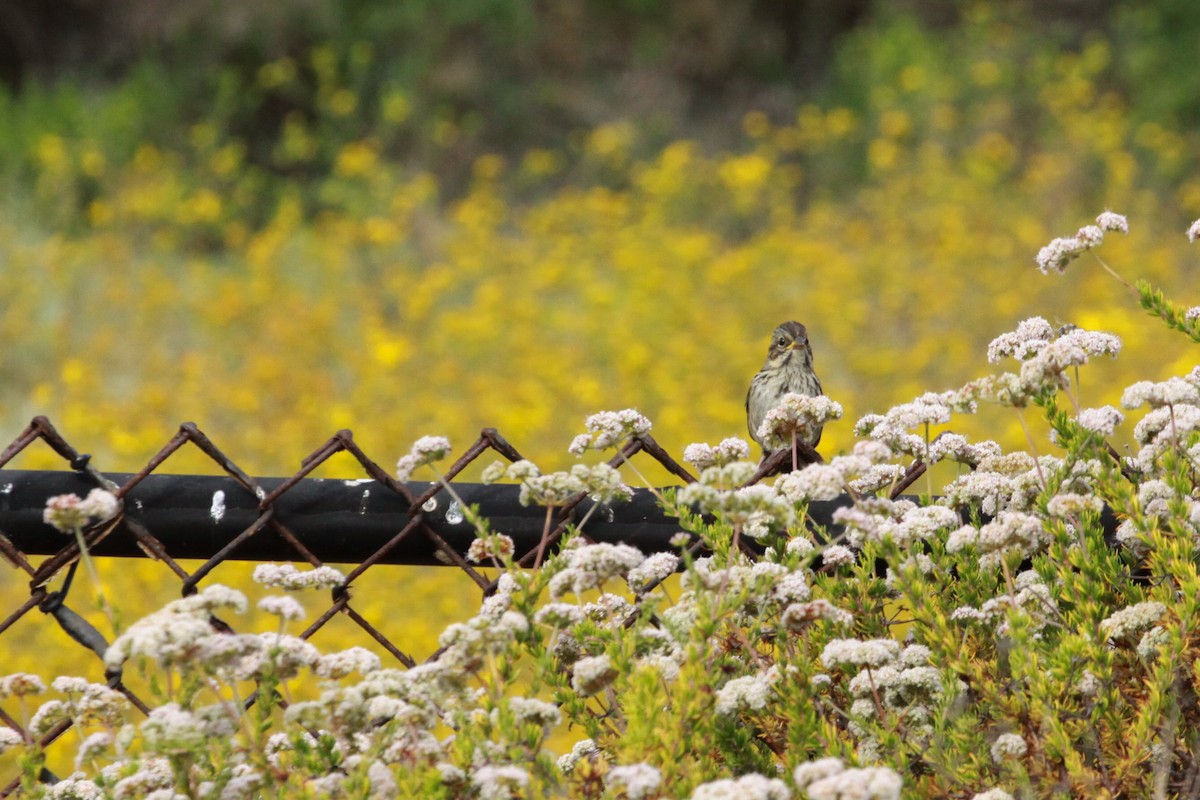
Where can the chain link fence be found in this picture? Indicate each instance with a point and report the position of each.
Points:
(368, 521)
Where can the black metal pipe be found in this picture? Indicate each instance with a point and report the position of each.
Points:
(339, 521)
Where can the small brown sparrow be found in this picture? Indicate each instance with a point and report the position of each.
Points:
(789, 369)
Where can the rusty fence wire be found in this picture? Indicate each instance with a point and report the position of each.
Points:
(369, 521)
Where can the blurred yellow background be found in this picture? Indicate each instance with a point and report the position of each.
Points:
(147, 283)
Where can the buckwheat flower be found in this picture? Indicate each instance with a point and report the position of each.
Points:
(493, 547)
(701, 456)
(341, 664)
(559, 615)
(968, 614)
(1088, 684)
(993, 794)
(1171, 392)
(171, 730)
(69, 685)
(864, 783)
(664, 665)
(1011, 531)
(283, 606)
(21, 684)
(1072, 349)
(868, 681)
(590, 566)
(747, 787)
(288, 578)
(1030, 336)
(835, 555)
(871, 520)
(1008, 746)
(328, 786)
(530, 711)
(876, 477)
(288, 654)
(500, 782)
(9, 739)
(922, 523)
(99, 703)
(791, 588)
(637, 781)
(49, 714)
(425, 450)
(63, 513)
(799, 415)
(652, 569)
(1090, 235)
(891, 434)
(591, 674)
(813, 482)
(1111, 221)
(1060, 252)
(74, 788)
(1103, 420)
(607, 607)
(1193, 231)
(553, 489)
(167, 637)
(797, 616)
(1069, 504)
(1152, 643)
(854, 652)
(748, 693)
(584, 748)
(800, 545)
(811, 771)
(1192, 314)
(1131, 619)
(609, 429)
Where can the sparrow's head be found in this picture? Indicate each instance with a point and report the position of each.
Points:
(787, 338)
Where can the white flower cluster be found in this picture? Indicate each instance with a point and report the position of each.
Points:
(1103, 420)
(178, 633)
(1132, 619)
(601, 481)
(747, 693)
(747, 787)
(1032, 595)
(1045, 356)
(1008, 746)
(858, 653)
(702, 456)
(67, 513)
(796, 415)
(589, 566)
(425, 450)
(609, 429)
(894, 428)
(798, 616)
(500, 782)
(877, 519)
(491, 547)
(1055, 256)
(863, 470)
(591, 674)
(753, 509)
(288, 578)
(637, 781)
(830, 779)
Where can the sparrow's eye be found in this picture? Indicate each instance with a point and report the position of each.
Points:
(781, 341)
